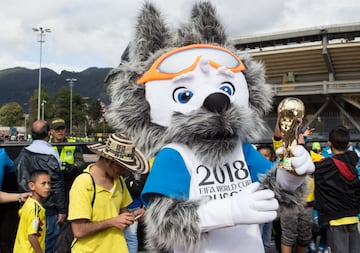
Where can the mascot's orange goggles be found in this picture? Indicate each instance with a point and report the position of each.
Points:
(184, 59)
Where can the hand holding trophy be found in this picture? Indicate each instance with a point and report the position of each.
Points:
(291, 112)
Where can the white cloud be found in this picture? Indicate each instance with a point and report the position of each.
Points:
(94, 33)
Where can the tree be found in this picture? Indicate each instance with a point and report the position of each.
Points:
(87, 113)
(61, 108)
(98, 123)
(79, 114)
(33, 102)
(61, 104)
(11, 114)
(95, 110)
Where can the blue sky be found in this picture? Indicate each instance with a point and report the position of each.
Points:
(94, 33)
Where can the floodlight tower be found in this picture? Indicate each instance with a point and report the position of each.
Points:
(41, 40)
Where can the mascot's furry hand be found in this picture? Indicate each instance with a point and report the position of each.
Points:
(249, 206)
(302, 164)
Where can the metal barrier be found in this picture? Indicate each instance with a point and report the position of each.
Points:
(313, 88)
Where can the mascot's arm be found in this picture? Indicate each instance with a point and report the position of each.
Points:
(172, 223)
(289, 189)
(170, 218)
(302, 164)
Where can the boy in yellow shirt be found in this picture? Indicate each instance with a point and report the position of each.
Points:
(31, 232)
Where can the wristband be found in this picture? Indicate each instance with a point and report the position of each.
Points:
(19, 198)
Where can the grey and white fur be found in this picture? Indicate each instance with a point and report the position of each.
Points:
(210, 135)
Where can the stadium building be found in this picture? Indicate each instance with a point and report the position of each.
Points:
(320, 66)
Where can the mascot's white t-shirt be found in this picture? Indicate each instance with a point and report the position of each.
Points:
(178, 174)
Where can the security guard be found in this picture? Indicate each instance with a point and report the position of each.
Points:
(71, 156)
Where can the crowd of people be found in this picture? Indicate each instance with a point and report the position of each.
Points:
(104, 202)
(328, 221)
(51, 197)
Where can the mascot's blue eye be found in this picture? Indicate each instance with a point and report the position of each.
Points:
(182, 95)
(228, 88)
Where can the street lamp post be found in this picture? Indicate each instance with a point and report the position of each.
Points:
(71, 84)
(26, 117)
(41, 40)
(43, 108)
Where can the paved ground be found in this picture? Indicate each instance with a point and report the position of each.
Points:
(272, 249)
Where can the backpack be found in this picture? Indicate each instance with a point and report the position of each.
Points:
(64, 242)
(134, 183)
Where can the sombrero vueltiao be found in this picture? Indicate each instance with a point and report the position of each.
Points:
(120, 149)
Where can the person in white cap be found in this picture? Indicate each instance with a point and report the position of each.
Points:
(99, 226)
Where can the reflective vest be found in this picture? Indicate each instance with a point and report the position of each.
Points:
(67, 153)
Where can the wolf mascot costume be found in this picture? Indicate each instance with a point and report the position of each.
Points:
(194, 103)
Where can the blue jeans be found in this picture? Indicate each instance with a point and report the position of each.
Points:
(52, 232)
(266, 229)
(131, 237)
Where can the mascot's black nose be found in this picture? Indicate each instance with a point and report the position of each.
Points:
(217, 102)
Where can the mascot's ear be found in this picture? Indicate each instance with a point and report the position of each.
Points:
(151, 33)
(204, 27)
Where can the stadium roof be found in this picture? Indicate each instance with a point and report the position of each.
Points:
(319, 54)
(319, 65)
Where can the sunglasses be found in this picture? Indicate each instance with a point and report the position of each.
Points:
(185, 59)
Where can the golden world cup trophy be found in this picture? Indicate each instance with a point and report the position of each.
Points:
(291, 113)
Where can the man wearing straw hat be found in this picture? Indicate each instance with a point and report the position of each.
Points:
(99, 226)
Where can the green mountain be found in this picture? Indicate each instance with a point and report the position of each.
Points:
(18, 84)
